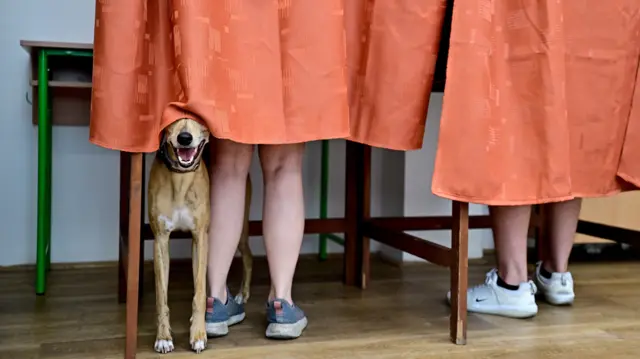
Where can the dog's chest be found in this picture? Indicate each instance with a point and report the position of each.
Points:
(181, 219)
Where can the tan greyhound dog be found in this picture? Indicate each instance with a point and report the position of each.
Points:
(179, 200)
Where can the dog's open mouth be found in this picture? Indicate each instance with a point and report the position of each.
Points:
(187, 156)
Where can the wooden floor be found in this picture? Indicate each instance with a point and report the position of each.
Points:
(402, 315)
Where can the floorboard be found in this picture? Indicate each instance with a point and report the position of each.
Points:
(401, 315)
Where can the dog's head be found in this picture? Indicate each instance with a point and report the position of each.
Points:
(182, 144)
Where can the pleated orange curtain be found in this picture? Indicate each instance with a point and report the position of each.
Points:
(265, 71)
(540, 101)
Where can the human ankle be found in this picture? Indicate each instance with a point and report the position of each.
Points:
(219, 295)
(287, 298)
(545, 273)
(502, 284)
(554, 266)
(513, 278)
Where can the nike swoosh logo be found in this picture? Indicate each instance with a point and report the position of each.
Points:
(478, 300)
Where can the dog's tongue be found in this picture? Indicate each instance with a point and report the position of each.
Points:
(186, 154)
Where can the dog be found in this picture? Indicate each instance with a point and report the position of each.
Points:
(179, 200)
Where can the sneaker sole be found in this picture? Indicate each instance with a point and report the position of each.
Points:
(518, 312)
(221, 329)
(554, 299)
(286, 331)
(560, 299)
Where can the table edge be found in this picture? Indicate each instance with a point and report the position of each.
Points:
(30, 45)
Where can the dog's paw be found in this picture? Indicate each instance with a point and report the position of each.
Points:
(199, 345)
(239, 298)
(198, 337)
(163, 346)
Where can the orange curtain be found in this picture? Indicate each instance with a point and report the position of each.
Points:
(264, 71)
(540, 101)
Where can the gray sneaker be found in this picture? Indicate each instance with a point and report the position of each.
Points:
(286, 321)
(219, 317)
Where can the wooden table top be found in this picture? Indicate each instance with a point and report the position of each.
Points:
(30, 45)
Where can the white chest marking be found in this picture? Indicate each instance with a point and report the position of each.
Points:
(181, 219)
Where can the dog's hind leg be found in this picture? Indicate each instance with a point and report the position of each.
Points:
(247, 267)
(164, 341)
(245, 250)
(198, 334)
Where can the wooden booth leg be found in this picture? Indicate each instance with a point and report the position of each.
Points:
(357, 191)
(123, 240)
(459, 271)
(392, 232)
(133, 253)
(143, 206)
(365, 215)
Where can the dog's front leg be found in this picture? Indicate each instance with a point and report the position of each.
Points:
(164, 341)
(198, 334)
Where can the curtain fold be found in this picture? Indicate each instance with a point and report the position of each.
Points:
(537, 101)
(540, 100)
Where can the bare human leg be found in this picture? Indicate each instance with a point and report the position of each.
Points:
(552, 278)
(506, 290)
(561, 222)
(510, 227)
(283, 228)
(230, 162)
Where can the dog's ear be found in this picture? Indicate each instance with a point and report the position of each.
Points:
(206, 154)
(163, 144)
(163, 139)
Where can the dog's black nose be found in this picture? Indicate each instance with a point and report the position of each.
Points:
(185, 138)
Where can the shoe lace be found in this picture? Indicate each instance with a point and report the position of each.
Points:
(563, 280)
(487, 281)
(493, 274)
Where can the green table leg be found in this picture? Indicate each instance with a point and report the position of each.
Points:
(43, 257)
(49, 162)
(324, 194)
(324, 198)
(44, 175)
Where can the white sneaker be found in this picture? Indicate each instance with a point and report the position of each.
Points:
(489, 298)
(557, 290)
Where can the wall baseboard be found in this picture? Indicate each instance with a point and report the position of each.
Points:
(148, 262)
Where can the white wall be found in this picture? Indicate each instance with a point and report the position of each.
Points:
(418, 199)
(81, 217)
(86, 177)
